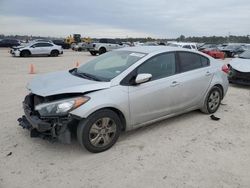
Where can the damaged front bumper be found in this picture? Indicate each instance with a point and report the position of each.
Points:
(237, 77)
(51, 128)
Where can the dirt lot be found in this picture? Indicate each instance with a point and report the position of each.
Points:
(186, 151)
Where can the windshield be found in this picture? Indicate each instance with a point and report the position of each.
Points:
(109, 65)
(245, 55)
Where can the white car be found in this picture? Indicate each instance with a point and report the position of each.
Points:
(37, 48)
(239, 69)
(104, 45)
(191, 46)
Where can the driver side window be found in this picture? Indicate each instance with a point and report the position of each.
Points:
(159, 66)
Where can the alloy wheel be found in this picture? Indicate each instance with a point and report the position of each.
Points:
(214, 100)
(102, 132)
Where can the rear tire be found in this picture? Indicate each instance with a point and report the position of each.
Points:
(99, 131)
(102, 50)
(213, 100)
(54, 53)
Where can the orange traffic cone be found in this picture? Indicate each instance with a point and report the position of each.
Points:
(77, 64)
(32, 69)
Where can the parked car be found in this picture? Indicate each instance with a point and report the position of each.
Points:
(9, 42)
(104, 45)
(246, 47)
(37, 48)
(122, 90)
(205, 46)
(233, 49)
(150, 44)
(214, 52)
(239, 69)
(81, 46)
(222, 46)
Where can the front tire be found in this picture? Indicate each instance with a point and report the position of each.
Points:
(99, 131)
(25, 53)
(212, 101)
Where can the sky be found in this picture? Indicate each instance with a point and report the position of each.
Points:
(125, 18)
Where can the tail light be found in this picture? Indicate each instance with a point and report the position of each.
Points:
(225, 69)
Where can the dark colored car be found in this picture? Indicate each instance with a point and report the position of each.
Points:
(239, 69)
(205, 46)
(62, 44)
(9, 43)
(232, 50)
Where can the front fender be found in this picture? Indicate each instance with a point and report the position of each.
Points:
(114, 97)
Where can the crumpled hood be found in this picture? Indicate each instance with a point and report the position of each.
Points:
(63, 82)
(242, 65)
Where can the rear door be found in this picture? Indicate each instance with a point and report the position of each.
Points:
(194, 78)
(46, 48)
(112, 44)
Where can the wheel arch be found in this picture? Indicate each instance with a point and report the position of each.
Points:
(221, 87)
(116, 110)
(102, 47)
(54, 50)
(25, 50)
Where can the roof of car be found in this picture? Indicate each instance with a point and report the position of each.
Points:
(151, 49)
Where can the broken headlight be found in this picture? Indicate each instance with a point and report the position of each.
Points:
(60, 108)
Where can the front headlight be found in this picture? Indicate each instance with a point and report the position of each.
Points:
(61, 107)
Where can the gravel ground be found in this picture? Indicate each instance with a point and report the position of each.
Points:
(190, 150)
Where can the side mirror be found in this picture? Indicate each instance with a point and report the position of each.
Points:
(142, 78)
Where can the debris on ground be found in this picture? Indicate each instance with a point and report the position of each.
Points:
(9, 154)
(214, 118)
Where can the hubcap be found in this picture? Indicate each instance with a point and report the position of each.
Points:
(214, 100)
(102, 132)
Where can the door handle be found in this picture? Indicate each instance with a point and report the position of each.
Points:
(175, 83)
(208, 73)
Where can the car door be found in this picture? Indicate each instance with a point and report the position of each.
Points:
(36, 49)
(193, 80)
(155, 98)
(46, 48)
(112, 44)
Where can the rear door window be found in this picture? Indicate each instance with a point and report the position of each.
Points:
(103, 41)
(190, 61)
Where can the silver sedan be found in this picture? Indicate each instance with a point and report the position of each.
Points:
(120, 91)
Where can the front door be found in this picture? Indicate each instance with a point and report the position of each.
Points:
(155, 98)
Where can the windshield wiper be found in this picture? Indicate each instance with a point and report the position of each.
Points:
(84, 75)
(89, 76)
